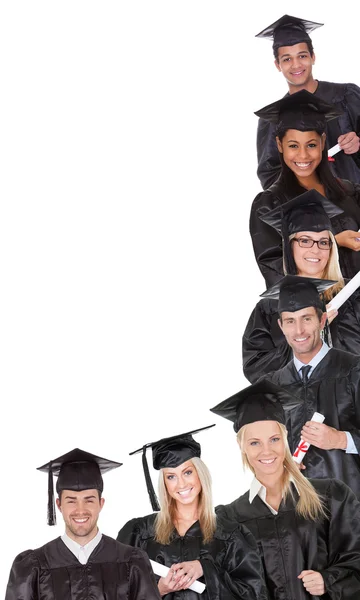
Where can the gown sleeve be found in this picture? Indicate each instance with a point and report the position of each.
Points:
(351, 106)
(142, 583)
(130, 533)
(266, 241)
(22, 583)
(269, 165)
(237, 573)
(342, 577)
(264, 347)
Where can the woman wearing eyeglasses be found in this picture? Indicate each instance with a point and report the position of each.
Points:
(309, 250)
(300, 120)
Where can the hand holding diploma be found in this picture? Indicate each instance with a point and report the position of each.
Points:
(168, 575)
(303, 446)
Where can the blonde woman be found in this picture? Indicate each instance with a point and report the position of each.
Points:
(309, 250)
(308, 530)
(185, 534)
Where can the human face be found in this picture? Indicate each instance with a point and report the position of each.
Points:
(264, 448)
(80, 511)
(302, 329)
(295, 63)
(311, 262)
(183, 483)
(302, 151)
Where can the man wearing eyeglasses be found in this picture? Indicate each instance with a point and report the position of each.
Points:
(325, 380)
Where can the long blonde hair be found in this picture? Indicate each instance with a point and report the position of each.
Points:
(164, 522)
(331, 271)
(309, 505)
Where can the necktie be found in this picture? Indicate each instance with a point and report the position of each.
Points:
(82, 556)
(305, 373)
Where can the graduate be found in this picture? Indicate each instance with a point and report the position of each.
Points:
(309, 250)
(82, 564)
(186, 536)
(300, 122)
(294, 58)
(324, 380)
(308, 531)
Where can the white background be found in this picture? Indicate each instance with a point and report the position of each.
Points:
(128, 168)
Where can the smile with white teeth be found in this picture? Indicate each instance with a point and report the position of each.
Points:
(81, 520)
(312, 259)
(267, 461)
(303, 165)
(300, 339)
(184, 492)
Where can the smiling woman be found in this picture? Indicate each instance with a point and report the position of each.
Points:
(303, 527)
(220, 553)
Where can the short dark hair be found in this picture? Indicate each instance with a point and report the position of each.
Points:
(309, 45)
(318, 312)
(61, 491)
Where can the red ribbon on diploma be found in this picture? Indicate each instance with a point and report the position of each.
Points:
(302, 447)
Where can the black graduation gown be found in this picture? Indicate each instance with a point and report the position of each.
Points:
(267, 242)
(333, 390)
(230, 562)
(346, 97)
(265, 349)
(289, 544)
(52, 572)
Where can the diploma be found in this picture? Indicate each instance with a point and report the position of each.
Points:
(161, 570)
(303, 447)
(334, 150)
(345, 293)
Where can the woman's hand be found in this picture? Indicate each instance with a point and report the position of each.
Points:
(313, 582)
(186, 572)
(168, 584)
(349, 239)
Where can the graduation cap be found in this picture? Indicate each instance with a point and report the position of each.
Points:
(302, 111)
(76, 470)
(169, 452)
(294, 292)
(261, 401)
(288, 31)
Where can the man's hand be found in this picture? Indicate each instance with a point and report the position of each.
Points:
(313, 582)
(324, 437)
(349, 239)
(349, 142)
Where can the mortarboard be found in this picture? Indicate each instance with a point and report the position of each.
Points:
(169, 452)
(261, 401)
(302, 111)
(288, 31)
(294, 292)
(76, 470)
(309, 211)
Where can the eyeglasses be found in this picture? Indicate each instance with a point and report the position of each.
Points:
(324, 244)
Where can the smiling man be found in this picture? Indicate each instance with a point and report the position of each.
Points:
(325, 380)
(83, 563)
(294, 58)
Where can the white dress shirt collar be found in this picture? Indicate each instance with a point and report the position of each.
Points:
(82, 553)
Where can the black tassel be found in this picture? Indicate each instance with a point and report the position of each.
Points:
(150, 488)
(326, 334)
(51, 513)
(289, 262)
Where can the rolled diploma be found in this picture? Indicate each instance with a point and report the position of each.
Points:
(334, 150)
(345, 293)
(162, 571)
(303, 447)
